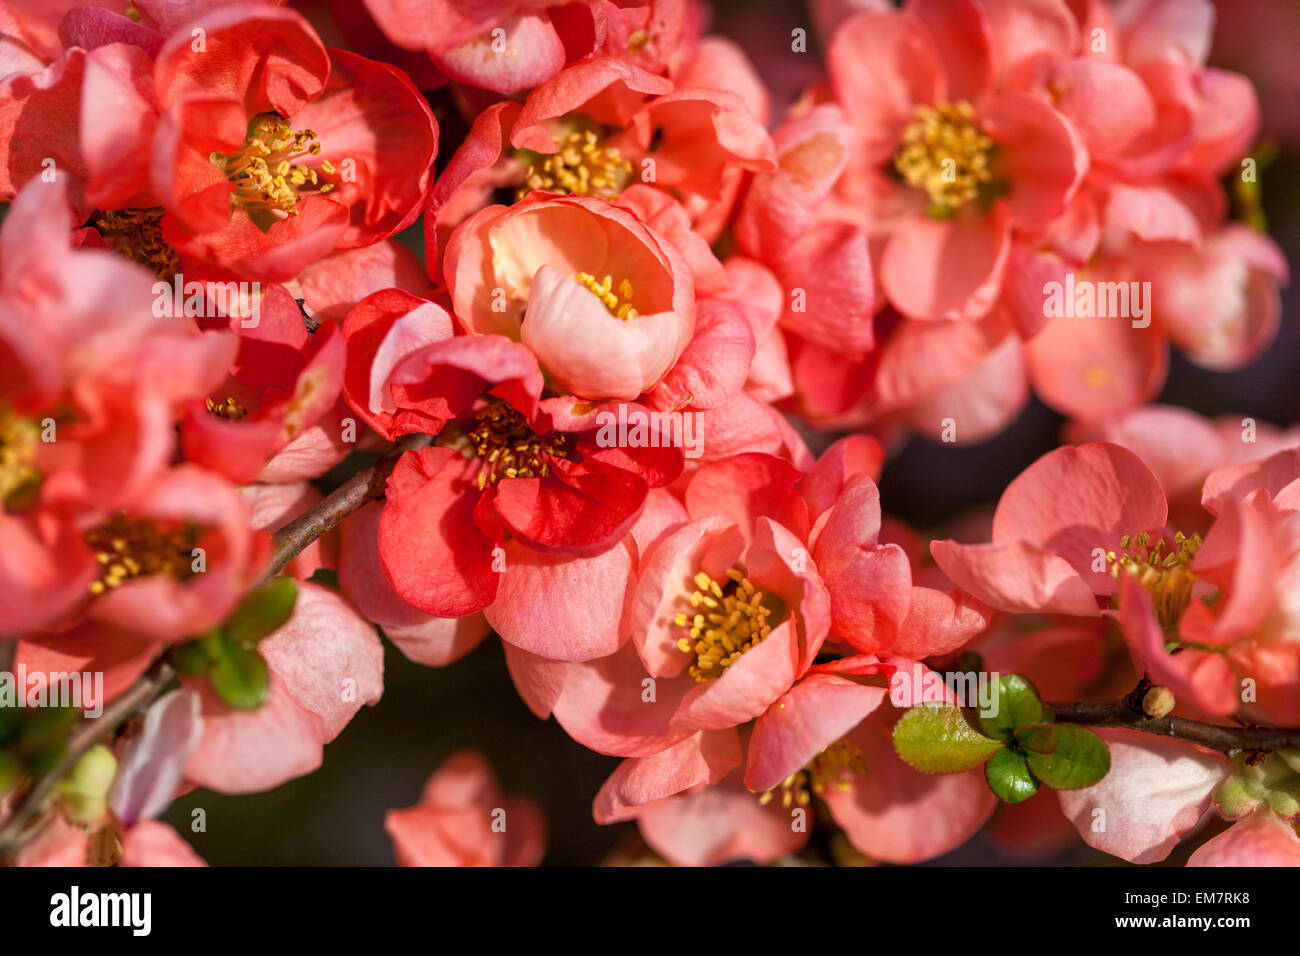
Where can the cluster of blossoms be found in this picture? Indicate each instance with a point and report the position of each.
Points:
(630, 413)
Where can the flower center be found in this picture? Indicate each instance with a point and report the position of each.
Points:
(19, 478)
(138, 547)
(230, 409)
(268, 174)
(947, 156)
(620, 304)
(834, 766)
(509, 448)
(136, 234)
(730, 619)
(582, 165)
(1166, 575)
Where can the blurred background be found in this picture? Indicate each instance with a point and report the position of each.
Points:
(335, 816)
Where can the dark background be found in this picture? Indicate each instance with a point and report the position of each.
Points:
(335, 816)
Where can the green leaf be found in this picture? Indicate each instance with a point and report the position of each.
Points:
(262, 611)
(1009, 778)
(239, 675)
(192, 658)
(1080, 759)
(937, 738)
(1040, 738)
(1017, 704)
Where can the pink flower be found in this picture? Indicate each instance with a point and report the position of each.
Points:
(739, 551)
(205, 129)
(797, 565)
(325, 662)
(424, 638)
(357, 136)
(92, 378)
(1156, 792)
(1261, 839)
(283, 382)
(170, 564)
(516, 482)
(934, 89)
(828, 735)
(1051, 524)
(148, 843)
(1089, 522)
(1182, 448)
(603, 125)
(504, 45)
(536, 272)
(463, 819)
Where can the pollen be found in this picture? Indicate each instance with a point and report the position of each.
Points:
(509, 448)
(833, 767)
(947, 156)
(582, 166)
(272, 172)
(730, 618)
(20, 479)
(129, 548)
(230, 409)
(619, 303)
(136, 234)
(1166, 574)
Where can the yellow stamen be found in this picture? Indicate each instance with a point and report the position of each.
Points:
(834, 766)
(733, 619)
(137, 235)
(269, 173)
(509, 448)
(619, 304)
(230, 409)
(20, 479)
(130, 548)
(947, 156)
(582, 166)
(1166, 575)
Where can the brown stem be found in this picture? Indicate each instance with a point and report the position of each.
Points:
(1121, 713)
(364, 486)
(361, 488)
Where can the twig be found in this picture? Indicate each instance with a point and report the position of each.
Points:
(364, 486)
(1227, 740)
(86, 734)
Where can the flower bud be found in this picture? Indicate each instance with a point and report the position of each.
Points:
(85, 790)
(1158, 702)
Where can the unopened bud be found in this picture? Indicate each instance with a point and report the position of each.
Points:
(1158, 702)
(85, 790)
